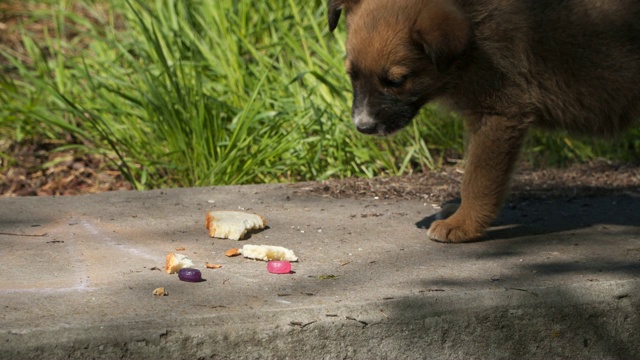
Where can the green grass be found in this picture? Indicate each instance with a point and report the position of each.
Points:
(192, 93)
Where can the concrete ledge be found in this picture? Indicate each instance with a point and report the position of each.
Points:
(556, 279)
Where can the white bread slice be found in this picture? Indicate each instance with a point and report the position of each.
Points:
(232, 224)
(175, 262)
(268, 252)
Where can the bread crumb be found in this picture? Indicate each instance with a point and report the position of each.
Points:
(232, 252)
(160, 292)
(232, 224)
(175, 262)
(268, 252)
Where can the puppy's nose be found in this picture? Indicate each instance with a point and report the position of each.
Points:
(364, 122)
(367, 130)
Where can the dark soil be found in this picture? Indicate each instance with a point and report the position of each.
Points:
(590, 179)
(35, 168)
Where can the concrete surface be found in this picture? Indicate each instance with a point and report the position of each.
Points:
(556, 279)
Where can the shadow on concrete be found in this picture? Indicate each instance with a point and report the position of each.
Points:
(524, 216)
(571, 321)
(599, 233)
(531, 326)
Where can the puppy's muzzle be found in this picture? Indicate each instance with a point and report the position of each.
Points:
(365, 123)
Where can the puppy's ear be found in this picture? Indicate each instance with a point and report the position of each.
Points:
(444, 31)
(335, 8)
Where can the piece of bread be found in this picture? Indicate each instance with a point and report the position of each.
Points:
(160, 292)
(175, 262)
(233, 252)
(268, 252)
(232, 224)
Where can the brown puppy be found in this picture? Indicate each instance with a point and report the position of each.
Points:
(505, 65)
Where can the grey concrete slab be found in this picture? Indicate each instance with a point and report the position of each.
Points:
(555, 279)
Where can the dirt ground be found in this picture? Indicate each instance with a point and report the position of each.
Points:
(580, 180)
(35, 170)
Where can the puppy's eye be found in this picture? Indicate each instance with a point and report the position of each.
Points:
(393, 82)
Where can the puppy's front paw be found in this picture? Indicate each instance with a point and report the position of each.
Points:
(452, 232)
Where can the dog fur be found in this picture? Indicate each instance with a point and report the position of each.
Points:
(505, 65)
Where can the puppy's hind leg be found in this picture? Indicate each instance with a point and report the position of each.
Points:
(493, 148)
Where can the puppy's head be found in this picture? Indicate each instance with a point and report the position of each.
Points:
(399, 56)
